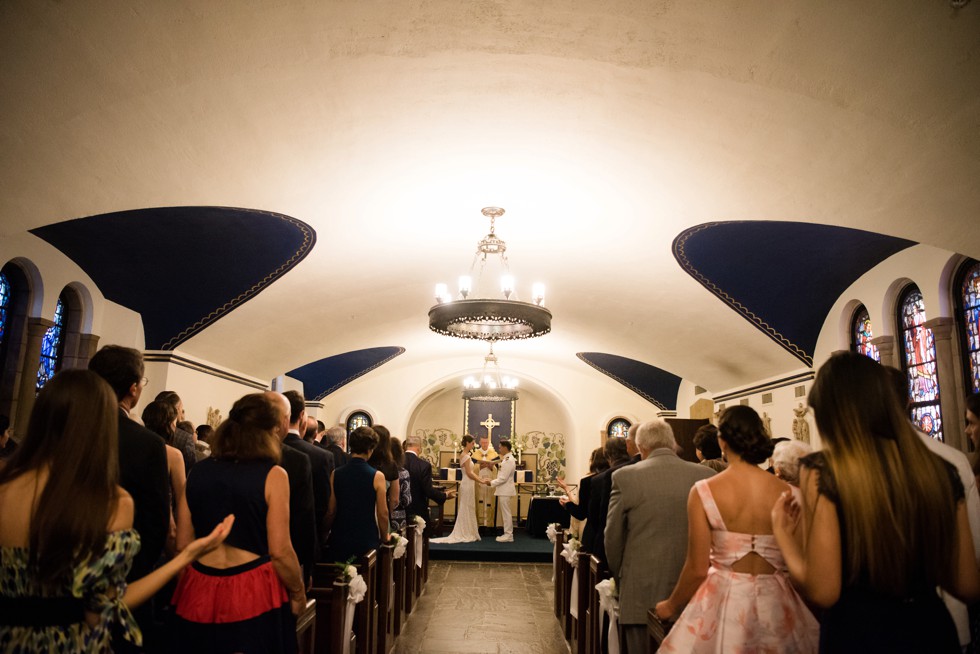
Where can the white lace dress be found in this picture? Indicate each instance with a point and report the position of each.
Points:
(466, 530)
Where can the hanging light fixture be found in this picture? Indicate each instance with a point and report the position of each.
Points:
(484, 317)
(490, 386)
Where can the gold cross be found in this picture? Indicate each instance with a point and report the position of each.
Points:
(490, 423)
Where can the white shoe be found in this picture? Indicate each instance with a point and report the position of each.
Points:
(505, 539)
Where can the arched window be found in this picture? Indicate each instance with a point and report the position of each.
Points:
(357, 419)
(919, 361)
(967, 293)
(861, 334)
(618, 428)
(53, 345)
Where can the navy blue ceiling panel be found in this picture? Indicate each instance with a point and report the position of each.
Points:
(323, 377)
(783, 277)
(182, 268)
(650, 382)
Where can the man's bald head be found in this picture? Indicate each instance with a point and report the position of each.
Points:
(282, 403)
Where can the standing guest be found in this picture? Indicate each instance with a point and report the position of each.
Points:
(311, 431)
(706, 448)
(646, 530)
(242, 597)
(142, 468)
(885, 521)
(161, 418)
(67, 541)
(336, 442)
(400, 514)
(578, 507)
(182, 440)
(619, 452)
(7, 442)
(358, 513)
(302, 512)
(204, 433)
(786, 457)
(734, 582)
(420, 481)
(382, 461)
(321, 430)
(321, 461)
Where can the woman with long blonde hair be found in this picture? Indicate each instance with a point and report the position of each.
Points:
(882, 524)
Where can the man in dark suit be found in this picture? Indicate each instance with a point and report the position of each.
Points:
(618, 452)
(335, 441)
(420, 482)
(302, 521)
(142, 471)
(321, 461)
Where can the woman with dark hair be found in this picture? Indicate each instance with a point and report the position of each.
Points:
(734, 581)
(465, 529)
(161, 419)
(242, 597)
(884, 521)
(578, 505)
(382, 461)
(67, 541)
(398, 515)
(357, 515)
(706, 448)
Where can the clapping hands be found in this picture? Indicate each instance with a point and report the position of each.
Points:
(786, 513)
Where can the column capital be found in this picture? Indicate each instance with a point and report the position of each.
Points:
(942, 327)
(39, 323)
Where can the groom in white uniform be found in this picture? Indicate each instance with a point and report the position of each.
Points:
(505, 489)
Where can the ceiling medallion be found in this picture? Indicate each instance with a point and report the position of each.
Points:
(483, 317)
(490, 386)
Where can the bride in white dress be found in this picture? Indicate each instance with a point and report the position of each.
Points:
(466, 530)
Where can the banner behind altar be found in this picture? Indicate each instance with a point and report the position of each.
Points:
(478, 415)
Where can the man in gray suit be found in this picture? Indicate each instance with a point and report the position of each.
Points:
(646, 530)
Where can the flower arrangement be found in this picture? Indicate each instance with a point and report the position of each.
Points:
(552, 531)
(400, 543)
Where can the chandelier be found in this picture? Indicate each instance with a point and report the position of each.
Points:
(490, 386)
(482, 317)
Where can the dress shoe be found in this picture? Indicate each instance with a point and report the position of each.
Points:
(505, 539)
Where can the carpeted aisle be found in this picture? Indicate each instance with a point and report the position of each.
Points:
(524, 549)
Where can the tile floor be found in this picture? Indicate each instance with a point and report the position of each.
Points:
(484, 608)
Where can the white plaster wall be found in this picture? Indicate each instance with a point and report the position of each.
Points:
(780, 410)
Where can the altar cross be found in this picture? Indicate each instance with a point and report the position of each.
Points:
(490, 423)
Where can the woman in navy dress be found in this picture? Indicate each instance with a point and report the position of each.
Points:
(358, 512)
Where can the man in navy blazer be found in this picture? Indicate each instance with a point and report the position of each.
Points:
(321, 461)
(335, 442)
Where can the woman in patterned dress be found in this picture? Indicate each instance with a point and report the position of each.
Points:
(66, 536)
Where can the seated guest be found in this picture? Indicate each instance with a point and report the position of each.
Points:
(242, 596)
(734, 581)
(358, 513)
(885, 519)
(399, 514)
(420, 481)
(786, 457)
(67, 541)
(646, 532)
(335, 440)
(706, 448)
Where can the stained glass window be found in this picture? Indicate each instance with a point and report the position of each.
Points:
(969, 313)
(919, 361)
(52, 346)
(618, 428)
(358, 419)
(4, 306)
(861, 334)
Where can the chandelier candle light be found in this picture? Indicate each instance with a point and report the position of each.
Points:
(484, 318)
(490, 386)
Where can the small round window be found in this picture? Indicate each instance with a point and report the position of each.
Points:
(618, 428)
(358, 419)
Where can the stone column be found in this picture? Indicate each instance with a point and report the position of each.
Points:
(36, 328)
(886, 350)
(79, 348)
(950, 395)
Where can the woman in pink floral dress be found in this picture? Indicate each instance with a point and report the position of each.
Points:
(734, 582)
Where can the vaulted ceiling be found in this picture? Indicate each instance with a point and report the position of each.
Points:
(378, 130)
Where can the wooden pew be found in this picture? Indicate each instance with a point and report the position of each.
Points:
(559, 576)
(582, 602)
(306, 628)
(384, 600)
(366, 613)
(398, 599)
(566, 593)
(597, 625)
(330, 592)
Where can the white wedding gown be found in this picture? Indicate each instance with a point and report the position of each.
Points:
(466, 529)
